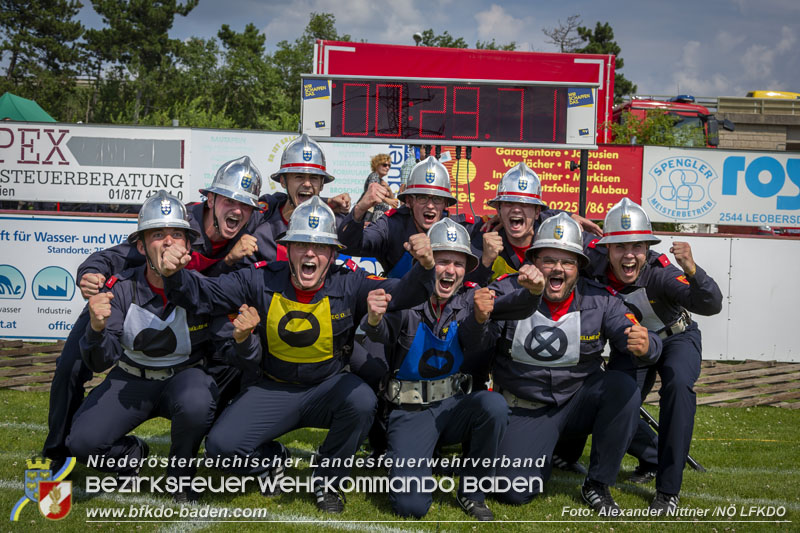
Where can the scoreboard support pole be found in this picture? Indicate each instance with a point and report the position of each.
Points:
(584, 183)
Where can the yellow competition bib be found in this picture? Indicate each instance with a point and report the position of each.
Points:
(299, 333)
(500, 267)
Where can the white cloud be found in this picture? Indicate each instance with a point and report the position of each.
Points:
(496, 23)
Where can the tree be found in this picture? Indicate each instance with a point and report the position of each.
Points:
(601, 41)
(445, 40)
(40, 41)
(658, 128)
(137, 40)
(491, 45)
(564, 35)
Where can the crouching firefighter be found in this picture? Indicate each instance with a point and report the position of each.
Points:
(431, 399)
(310, 308)
(157, 350)
(549, 369)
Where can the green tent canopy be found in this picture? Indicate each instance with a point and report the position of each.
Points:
(13, 107)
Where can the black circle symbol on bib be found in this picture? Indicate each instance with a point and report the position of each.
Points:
(434, 363)
(299, 339)
(546, 343)
(155, 342)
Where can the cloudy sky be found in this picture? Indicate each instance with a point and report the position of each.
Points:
(702, 47)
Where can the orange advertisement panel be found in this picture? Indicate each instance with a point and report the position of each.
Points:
(615, 171)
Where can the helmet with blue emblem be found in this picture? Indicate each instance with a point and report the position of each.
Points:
(627, 222)
(449, 236)
(312, 222)
(238, 180)
(519, 184)
(560, 232)
(429, 178)
(303, 156)
(163, 210)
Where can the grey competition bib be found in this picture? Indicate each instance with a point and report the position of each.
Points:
(543, 342)
(152, 342)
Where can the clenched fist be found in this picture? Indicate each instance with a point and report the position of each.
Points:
(245, 246)
(484, 304)
(377, 303)
(492, 246)
(340, 203)
(419, 246)
(91, 284)
(683, 256)
(531, 278)
(244, 323)
(175, 258)
(100, 310)
(638, 340)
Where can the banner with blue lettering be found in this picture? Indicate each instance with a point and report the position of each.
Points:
(39, 297)
(708, 186)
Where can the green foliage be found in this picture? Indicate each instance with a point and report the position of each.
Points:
(657, 128)
(445, 40)
(601, 41)
(491, 45)
(293, 59)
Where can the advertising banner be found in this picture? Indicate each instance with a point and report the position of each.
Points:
(614, 172)
(39, 298)
(91, 164)
(742, 188)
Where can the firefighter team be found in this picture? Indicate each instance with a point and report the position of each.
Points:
(231, 318)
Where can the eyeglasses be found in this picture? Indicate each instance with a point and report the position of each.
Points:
(566, 264)
(425, 199)
(385, 165)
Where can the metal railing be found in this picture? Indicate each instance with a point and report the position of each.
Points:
(758, 106)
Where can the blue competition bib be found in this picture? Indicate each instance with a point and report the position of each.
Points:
(402, 267)
(431, 357)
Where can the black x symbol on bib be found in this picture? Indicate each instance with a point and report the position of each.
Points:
(545, 338)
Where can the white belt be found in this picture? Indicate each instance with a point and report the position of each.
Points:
(679, 326)
(155, 374)
(516, 401)
(426, 392)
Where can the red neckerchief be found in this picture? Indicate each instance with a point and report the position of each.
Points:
(613, 281)
(559, 309)
(305, 297)
(520, 253)
(158, 291)
(217, 246)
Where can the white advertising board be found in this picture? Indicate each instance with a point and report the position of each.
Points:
(91, 164)
(39, 299)
(348, 163)
(707, 186)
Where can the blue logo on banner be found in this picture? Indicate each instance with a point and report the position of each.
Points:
(12, 283)
(583, 131)
(579, 97)
(53, 283)
(682, 187)
(315, 89)
(319, 124)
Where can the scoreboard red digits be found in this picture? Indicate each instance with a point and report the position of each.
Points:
(448, 111)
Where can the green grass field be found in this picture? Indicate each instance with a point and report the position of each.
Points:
(752, 457)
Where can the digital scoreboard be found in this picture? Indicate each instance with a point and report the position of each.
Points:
(452, 112)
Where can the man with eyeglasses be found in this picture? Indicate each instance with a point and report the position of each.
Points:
(549, 369)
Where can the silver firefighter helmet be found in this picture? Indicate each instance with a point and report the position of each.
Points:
(162, 210)
(238, 180)
(449, 236)
(429, 177)
(312, 222)
(627, 222)
(519, 184)
(560, 232)
(303, 156)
